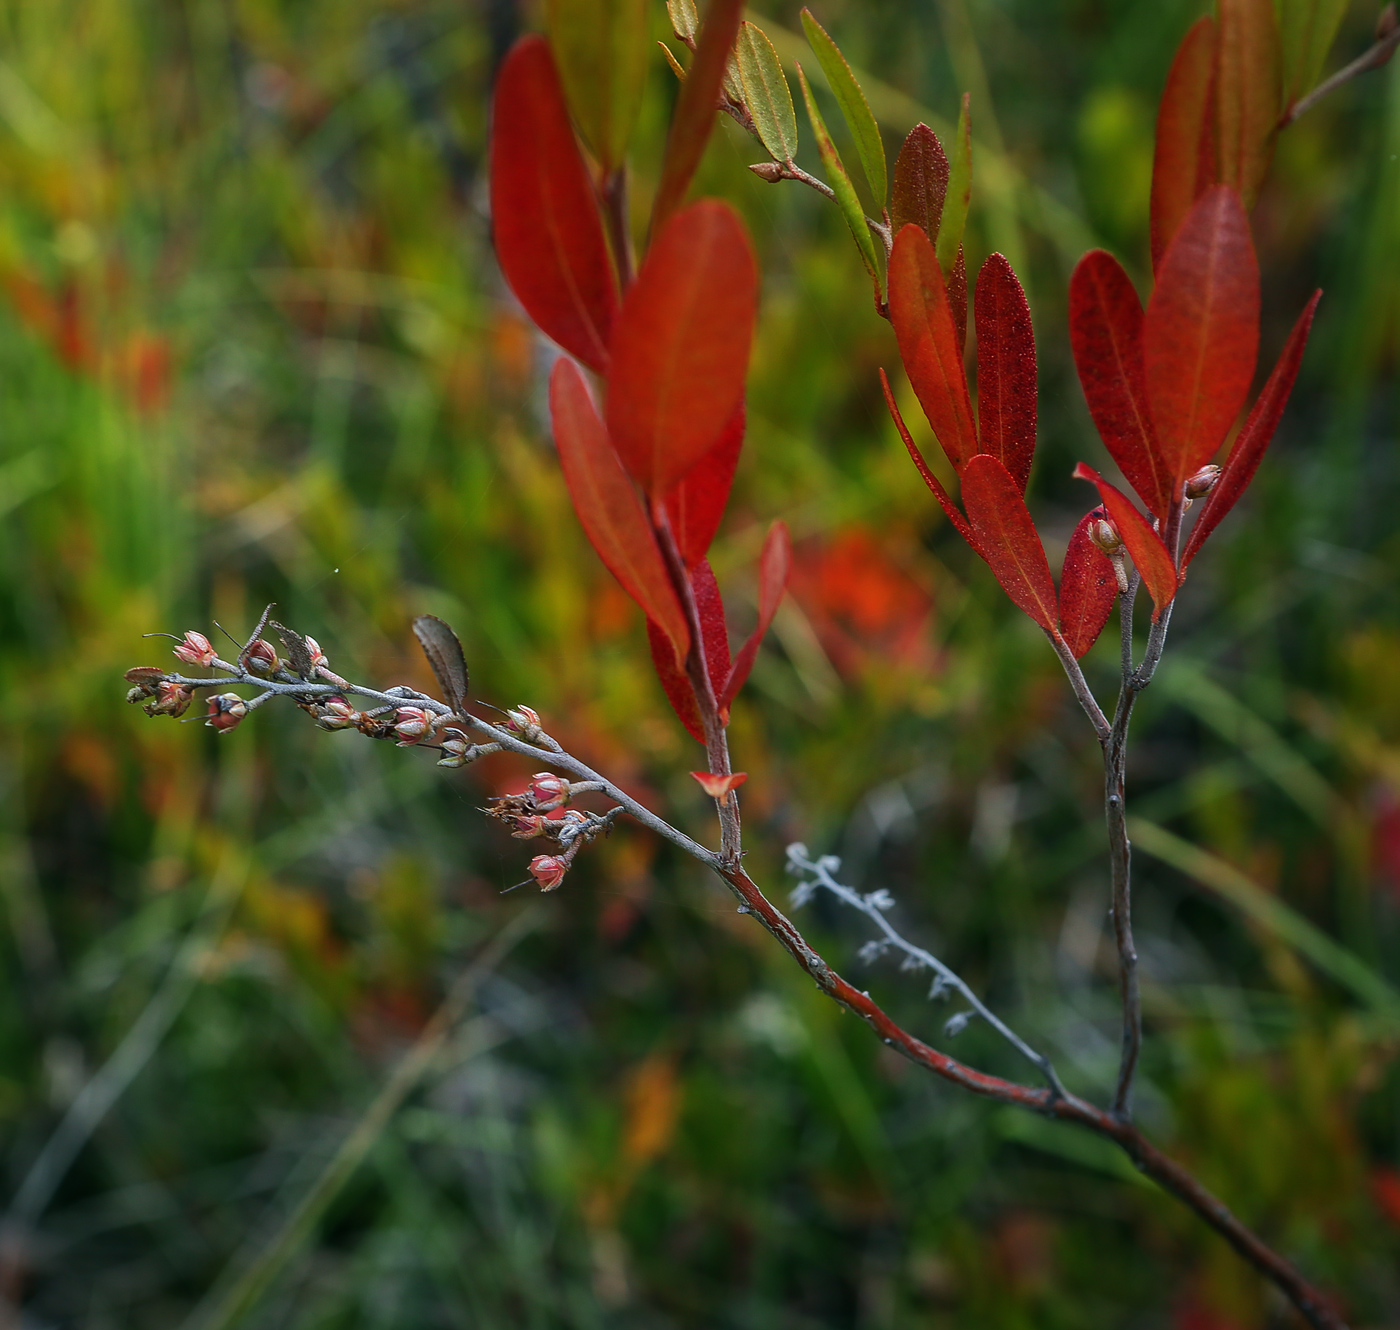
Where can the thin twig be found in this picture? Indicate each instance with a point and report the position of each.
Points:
(873, 907)
(1372, 58)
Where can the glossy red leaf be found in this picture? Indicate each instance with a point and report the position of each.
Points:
(713, 630)
(1006, 385)
(681, 345)
(694, 115)
(1248, 93)
(1088, 588)
(1145, 547)
(774, 565)
(951, 509)
(1200, 335)
(608, 506)
(544, 214)
(675, 683)
(1105, 333)
(929, 345)
(1184, 163)
(920, 182)
(1254, 438)
(1008, 540)
(696, 505)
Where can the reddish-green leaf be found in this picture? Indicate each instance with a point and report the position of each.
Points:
(1248, 93)
(695, 108)
(1105, 332)
(1007, 538)
(675, 682)
(854, 108)
(681, 345)
(608, 506)
(709, 607)
(949, 241)
(1307, 29)
(696, 505)
(549, 238)
(601, 47)
(1184, 164)
(920, 182)
(1200, 336)
(1254, 438)
(1088, 588)
(957, 298)
(774, 564)
(1006, 384)
(935, 485)
(928, 344)
(1145, 547)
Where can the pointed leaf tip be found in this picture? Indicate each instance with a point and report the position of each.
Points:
(854, 108)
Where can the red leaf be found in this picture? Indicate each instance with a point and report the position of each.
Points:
(929, 345)
(681, 346)
(675, 682)
(1184, 164)
(1254, 438)
(774, 564)
(1006, 384)
(920, 182)
(544, 214)
(694, 116)
(1088, 588)
(718, 787)
(696, 505)
(1008, 540)
(1248, 93)
(1105, 331)
(932, 481)
(713, 631)
(1200, 335)
(608, 506)
(1149, 554)
(957, 298)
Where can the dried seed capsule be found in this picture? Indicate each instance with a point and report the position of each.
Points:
(225, 711)
(195, 649)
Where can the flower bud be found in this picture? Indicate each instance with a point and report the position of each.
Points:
(524, 721)
(172, 699)
(225, 711)
(769, 171)
(412, 725)
(261, 657)
(195, 649)
(548, 870)
(1201, 484)
(335, 713)
(549, 791)
(318, 657)
(528, 825)
(718, 787)
(1105, 535)
(456, 752)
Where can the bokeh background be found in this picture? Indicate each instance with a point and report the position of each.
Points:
(254, 347)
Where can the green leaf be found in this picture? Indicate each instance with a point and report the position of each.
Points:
(853, 105)
(839, 181)
(685, 20)
(1307, 29)
(950, 229)
(601, 47)
(766, 92)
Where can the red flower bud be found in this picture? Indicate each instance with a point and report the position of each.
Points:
(195, 649)
(412, 725)
(225, 711)
(548, 870)
(318, 657)
(524, 721)
(528, 825)
(261, 657)
(549, 791)
(1105, 535)
(335, 713)
(1201, 484)
(172, 699)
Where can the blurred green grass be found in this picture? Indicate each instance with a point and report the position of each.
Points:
(255, 348)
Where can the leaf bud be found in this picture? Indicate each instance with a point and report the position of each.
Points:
(1201, 484)
(195, 649)
(772, 172)
(261, 657)
(524, 721)
(548, 870)
(412, 725)
(225, 711)
(172, 699)
(549, 791)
